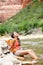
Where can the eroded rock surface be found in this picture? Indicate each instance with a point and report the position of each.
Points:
(8, 8)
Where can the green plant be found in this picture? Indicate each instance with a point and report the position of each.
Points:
(2, 30)
(29, 18)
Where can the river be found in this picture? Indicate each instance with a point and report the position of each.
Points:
(36, 45)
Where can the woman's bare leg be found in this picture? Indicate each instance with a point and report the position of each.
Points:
(30, 52)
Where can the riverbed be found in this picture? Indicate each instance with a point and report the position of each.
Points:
(36, 45)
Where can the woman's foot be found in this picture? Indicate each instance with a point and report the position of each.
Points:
(29, 62)
(21, 58)
(34, 61)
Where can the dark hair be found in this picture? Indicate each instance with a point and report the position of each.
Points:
(18, 41)
(12, 35)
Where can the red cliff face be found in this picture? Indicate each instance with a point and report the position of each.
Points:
(15, 1)
(8, 8)
(25, 2)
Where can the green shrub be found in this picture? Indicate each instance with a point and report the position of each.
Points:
(29, 18)
(2, 30)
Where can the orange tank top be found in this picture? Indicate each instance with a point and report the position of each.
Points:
(14, 45)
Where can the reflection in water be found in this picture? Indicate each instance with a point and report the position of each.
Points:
(29, 42)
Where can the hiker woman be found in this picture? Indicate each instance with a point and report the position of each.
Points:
(16, 48)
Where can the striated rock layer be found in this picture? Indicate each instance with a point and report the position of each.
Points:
(8, 8)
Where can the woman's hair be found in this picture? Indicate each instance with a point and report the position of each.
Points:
(12, 35)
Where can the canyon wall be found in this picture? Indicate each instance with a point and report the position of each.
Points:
(8, 8)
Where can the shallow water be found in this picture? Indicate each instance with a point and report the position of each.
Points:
(37, 46)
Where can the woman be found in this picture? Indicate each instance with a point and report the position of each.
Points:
(15, 47)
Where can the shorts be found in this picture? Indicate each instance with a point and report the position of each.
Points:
(21, 52)
(18, 52)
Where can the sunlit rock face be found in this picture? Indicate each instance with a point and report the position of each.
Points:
(11, 1)
(8, 8)
(15, 1)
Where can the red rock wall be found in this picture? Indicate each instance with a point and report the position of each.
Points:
(8, 11)
(8, 8)
(25, 2)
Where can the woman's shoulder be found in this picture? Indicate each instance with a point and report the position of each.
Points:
(9, 41)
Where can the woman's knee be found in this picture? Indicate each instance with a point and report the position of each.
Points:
(30, 50)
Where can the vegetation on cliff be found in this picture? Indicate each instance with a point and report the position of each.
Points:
(29, 18)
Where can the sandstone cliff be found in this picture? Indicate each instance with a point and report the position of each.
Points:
(8, 8)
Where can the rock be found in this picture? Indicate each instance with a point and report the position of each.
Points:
(7, 63)
(15, 7)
